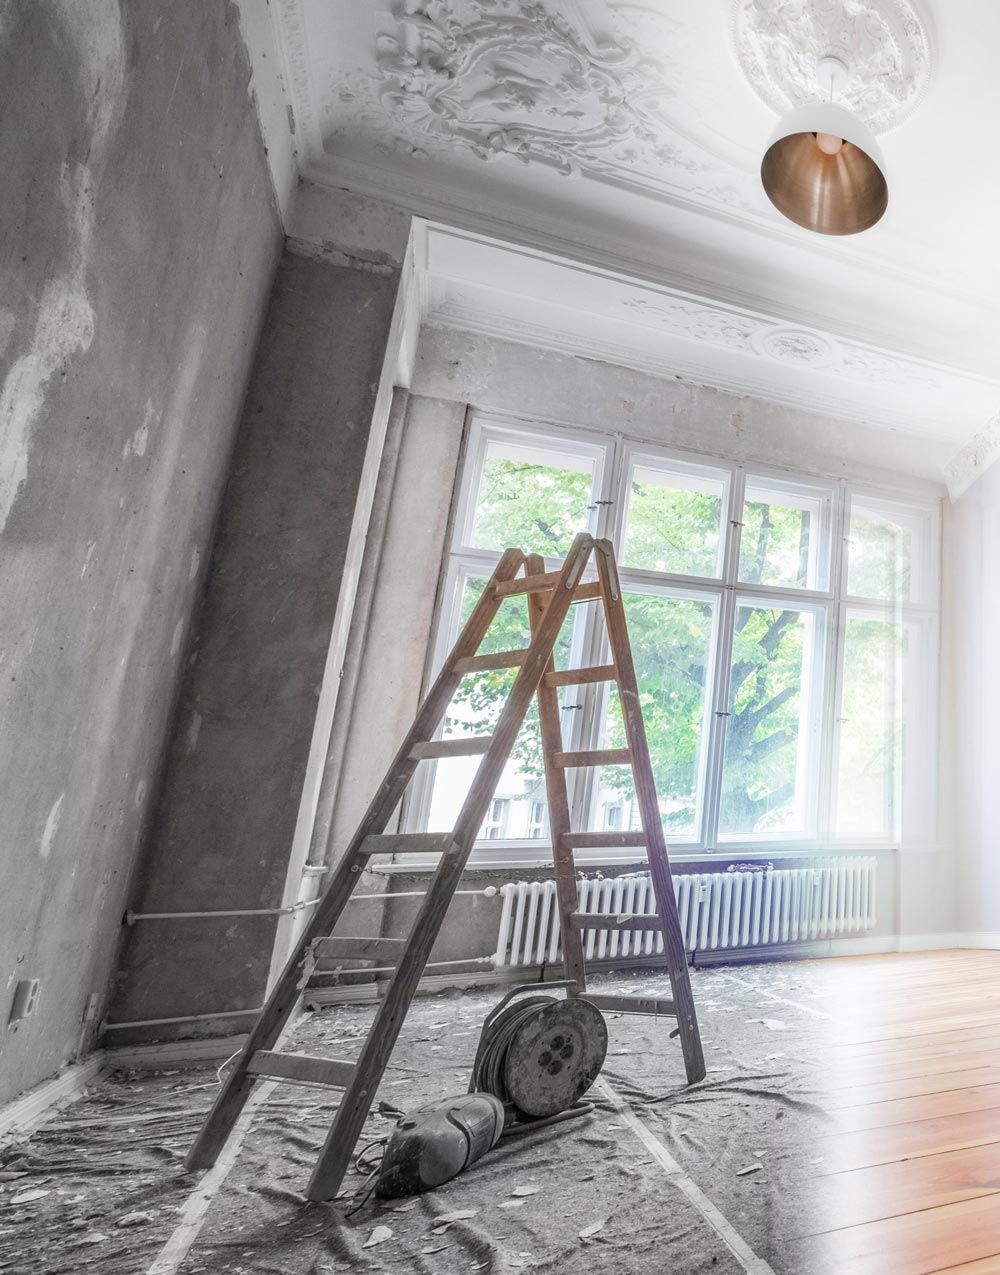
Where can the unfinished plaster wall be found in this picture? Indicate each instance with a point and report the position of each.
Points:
(227, 812)
(138, 236)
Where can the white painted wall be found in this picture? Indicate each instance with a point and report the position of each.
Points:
(972, 618)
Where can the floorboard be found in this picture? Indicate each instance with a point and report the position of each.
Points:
(908, 1181)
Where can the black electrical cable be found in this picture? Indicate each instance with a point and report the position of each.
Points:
(488, 1075)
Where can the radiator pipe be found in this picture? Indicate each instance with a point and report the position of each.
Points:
(131, 917)
(242, 1013)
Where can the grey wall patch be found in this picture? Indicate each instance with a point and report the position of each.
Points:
(65, 323)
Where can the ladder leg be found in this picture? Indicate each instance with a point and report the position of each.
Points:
(558, 799)
(338, 1150)
(349, 1120)
(286, 992)
(645, 791)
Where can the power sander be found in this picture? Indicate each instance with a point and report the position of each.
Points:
(535, 1061)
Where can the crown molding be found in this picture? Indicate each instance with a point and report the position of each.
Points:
(973, 460)
(440, 201)
(674, 366)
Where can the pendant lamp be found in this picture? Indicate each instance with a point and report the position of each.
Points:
(823, 169)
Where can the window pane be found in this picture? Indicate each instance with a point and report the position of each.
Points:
(534, 498)
(769, 735)
(671, 645)
(519, 809)
(880, 554)
(870, 727)
(785, 536)
(674, 519)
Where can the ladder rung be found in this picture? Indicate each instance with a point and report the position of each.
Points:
(528, 584)
(360, 949)
(596, 757)
(483, 663)
(409, 843)
(601, 840)
(545, 582)
(580, 676)
(632, 1004)
(623, 921)
(469, 746)
(301, 1069)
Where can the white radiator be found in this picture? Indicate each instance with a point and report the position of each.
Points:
(718, 910)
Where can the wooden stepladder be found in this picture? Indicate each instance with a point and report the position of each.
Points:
(550, 595)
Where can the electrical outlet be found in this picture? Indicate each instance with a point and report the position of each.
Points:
(25, 1001)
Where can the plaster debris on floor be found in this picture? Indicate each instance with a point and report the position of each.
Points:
(101, 1186)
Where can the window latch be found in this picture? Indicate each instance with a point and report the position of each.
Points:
(720, 713)
(598, 503)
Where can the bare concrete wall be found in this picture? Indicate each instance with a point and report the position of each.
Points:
(138, 237)
(227, 811)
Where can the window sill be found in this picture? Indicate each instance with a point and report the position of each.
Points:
(515, 858)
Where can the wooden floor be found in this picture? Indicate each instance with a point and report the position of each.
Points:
(909, 1180)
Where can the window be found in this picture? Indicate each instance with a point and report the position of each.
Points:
(538, 820)
(783, 631)
(495, 823)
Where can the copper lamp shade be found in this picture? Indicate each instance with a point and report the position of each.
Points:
(820, 185)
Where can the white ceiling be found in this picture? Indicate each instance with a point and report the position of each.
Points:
(629, 136)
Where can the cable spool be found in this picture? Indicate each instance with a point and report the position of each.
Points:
(540, 1055)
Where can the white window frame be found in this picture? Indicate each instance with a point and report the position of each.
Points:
(614, 455)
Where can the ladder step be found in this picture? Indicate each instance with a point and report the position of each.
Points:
(601, 840)
(543, 583)
(580, 676)
(409, 843)
(483, 663)
(527, 584)
(360, 949)
(301, 1069)
(469, 746)
(623, 921)
(596, 757)
(632, 1004)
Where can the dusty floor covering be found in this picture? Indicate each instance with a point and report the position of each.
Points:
(103, 1183)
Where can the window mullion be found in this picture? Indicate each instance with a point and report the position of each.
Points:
(592, 698)
(833, 692)
(719, 708)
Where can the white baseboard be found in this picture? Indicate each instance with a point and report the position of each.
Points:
(980, 938)
(42, 1102)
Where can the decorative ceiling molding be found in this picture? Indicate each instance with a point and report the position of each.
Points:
(883, 43)
(295, 47)
(781, 342)
(974, 459)
(822, 398)
(518, 79)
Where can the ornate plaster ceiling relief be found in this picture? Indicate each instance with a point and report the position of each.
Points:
(772, 339)
(295, 49)
(517, 79)
(973, 460)
(798, 347)
(882, 43)
(704, 323)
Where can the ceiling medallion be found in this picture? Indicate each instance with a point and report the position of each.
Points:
(781, 45)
